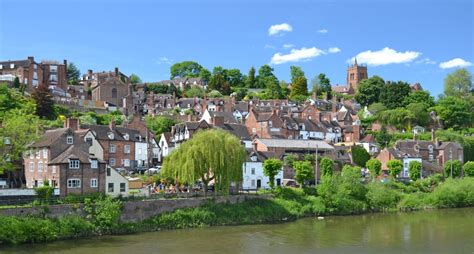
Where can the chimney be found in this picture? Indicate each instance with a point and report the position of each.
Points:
(116, 71)
(254, 146)
(72, 123)
(65, 63)
(89, 72)
(218, 120)
(112, 124)
(31, 59)
(173, 129)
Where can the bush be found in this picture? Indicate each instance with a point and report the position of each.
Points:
(469, 169)
(380, 197)
(456, 167)
(104, 213)
(45, 191)
(454, 193)
(413, 201)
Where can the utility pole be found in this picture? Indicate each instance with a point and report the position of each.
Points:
(316, 168)
(451, 160)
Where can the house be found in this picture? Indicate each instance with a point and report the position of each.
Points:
(218, 118)
(369, 144)
(253, 174)
(184, 131)
(298, 146)
(264, 124)
(418, 130)
(166, 145)
(113, 87)
(393, 154)
(239, 131)
(117, 185)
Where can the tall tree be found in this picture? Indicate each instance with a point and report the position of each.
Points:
(16, 82)
(205, 74)
(73, 74)
(394, 167)
(235, 78)
(159, 124)
(44, 102)
(186, 69)
(420, 113)
(296, 72)
(264, 73)
(359, 155)
(374, 166)
(325, 85)
(458, 84)
(304, 172)
(315, 86)
(455, 112)
(393, 94)
(250, 81)
(420, 97)
(369, 90)
(135, 79)
(299, 87)
(271, 167)
(273, 88)
(414, 169)
(327, 166)
(209, 155)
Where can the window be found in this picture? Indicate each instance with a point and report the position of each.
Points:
(69, 140)
(73, 164)
(32, 167)
(126, 149)
(108, 171)
(111, 187)
(126, 163)
(38, 154)
(45, 153)
(112, 161)
(112, 148)
(270, 124)
(139, 151)
(253, 171)
(94, 183)
(74, 183)
(89, 141)
(40, 166)
(114, 93)
(254, 130)
(12, 66)
(252, 183)
(122, 187)
(94, 164)
(126, 136)
(110, 135)
(53, 170)
(32, 155)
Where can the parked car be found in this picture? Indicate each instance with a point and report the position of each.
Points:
(153, 170)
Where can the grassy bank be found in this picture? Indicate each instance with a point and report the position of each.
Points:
(336, 195)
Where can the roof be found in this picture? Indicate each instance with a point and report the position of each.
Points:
(49, 137)
(228, 116)
(296, 144)
(23, 63)
(261, 156)
(368, 139)
(73, 152)
(340, 89)
(238, 130)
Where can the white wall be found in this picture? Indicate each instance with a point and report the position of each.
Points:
(141, 153)
(116, 179)
(250, 180)
(406, 164)
(96, 148)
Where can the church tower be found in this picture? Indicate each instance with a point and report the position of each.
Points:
(355, 74)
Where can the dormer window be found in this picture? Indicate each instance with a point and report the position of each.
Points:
(110, 135)
(253, 158)
(69, 140)
(94, 163)
(430, 148)
(126, 136)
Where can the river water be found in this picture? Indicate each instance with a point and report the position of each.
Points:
(437, 231)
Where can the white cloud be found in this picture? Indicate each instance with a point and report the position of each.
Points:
(276, 29)
(385, 56)
(334, 50)
(268, 46)
(456, 62)
(323, 31)
(287, 46)
(425, 61)
(164, 60)
(296, 55)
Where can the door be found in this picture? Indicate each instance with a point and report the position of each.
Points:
(259, 183)
(278, 183)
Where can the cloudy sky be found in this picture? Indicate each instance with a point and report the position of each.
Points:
(398, 40)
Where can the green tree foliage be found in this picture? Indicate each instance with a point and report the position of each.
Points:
(374, 166)
(45, 191)
(359, 155)
(414, 169)
(135, 79)
(265, 73)
(16, 82)
(285, 92)
(296, 72)
(205, 75)
(458, 84)
(73, 74)
(44, 102)
(156, 88)
(273, 89)
(399, 117)
(304, 171)
(186, 69)
(376, 108)
(420, 113)
(209, 155)
(394, 167)
(289, 159)
(369, 90)
(469, 168)
(299, 87)
(271, 167)
(455, 112)
(11, 99)
(455, 166)
(324, 85)
(159, 124)
(218, 82)
(195, 91)
(423, 97)
(104, 212)
(251, 80)
(380, 197)
(327, 166)
(235, 78)
(383, 138)
(172, 89)
(394, 94)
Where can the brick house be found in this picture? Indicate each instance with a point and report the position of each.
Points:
(112, 87)
(264, 124)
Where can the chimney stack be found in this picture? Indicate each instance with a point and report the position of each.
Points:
(31, 59)
(72, 123)
(89, 72)
(112, 124)
(65, 63)
(116, 71)
(433, 135)
(218, 120)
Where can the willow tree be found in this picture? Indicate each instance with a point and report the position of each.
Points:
(211, 155)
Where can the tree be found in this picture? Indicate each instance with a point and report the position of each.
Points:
(304, 171)
(296, 72)
(420, 97)
(205, 75)
(315, 86)
(235, 78)
(368, 91)
(273, 88)
(299, 87)
(455, 112)
(134, 79)
(374, 166)
(359, 155)
(376, 107)
(414, 168)
(420, 113)
(44, 102)
(452, 168)
(393, 94)
(159, 124)
(394, 167)
(217, 82)
(327, 166)
(469, 168)
(383, 138)
(16, 82)
(73, 74)
(186, 69)
(173, 90)
(271, 167)
(195, 91)
(458, 83)
(399, 117)
(156, 88)
(209, 155)
(264, 73)
(284, 89)
(250, 81)
(324, 85)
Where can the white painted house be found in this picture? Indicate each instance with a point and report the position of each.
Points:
(406, 163)
(253, 177)
(115, 183)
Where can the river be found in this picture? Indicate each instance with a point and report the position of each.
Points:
(436, 231)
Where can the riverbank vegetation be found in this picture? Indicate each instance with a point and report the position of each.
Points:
(338, 194)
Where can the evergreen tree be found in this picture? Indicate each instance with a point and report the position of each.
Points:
(73, 74)
(44, 102)
(16, 82)
(299, 87)
(296, 72)
(250, 81)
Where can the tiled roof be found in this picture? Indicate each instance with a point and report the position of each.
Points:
(296, 144)
(49, 137)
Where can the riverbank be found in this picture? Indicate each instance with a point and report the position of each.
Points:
(336, 195)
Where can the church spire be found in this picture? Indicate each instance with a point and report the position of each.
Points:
(355, 61)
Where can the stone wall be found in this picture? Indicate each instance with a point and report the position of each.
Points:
(133, 211)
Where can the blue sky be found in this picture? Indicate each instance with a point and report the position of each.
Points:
(399, 40)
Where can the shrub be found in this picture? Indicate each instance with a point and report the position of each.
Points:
(104, 213)
(414, 168)
(381, 197)
(394, 167)
(327, 166)
(413, 201)
(456, 167)
(45, 191)
(374, 166)
(454, 193)
(469, 168)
